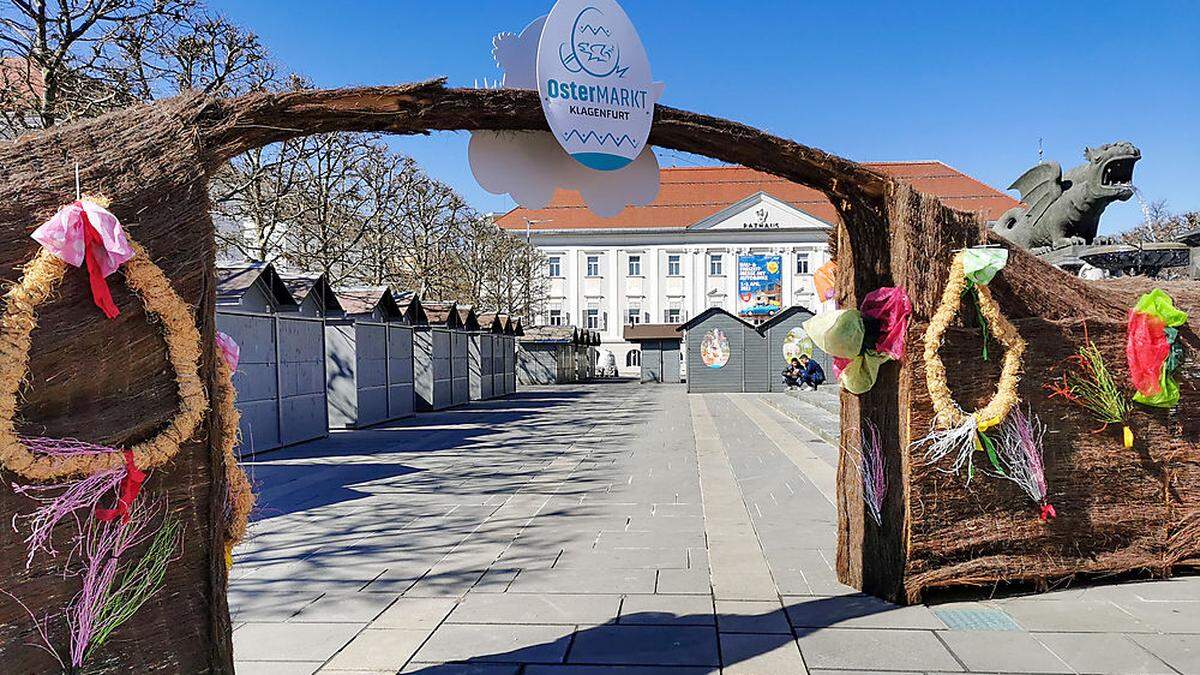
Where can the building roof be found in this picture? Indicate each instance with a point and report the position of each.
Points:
(234, 279)
(688, 195)
(491, 322)
(551, 335)
(703, 316)
(652, 331)
(467, 317)
(301, 285)
(443, 314)
(363, 300)
(782, 316)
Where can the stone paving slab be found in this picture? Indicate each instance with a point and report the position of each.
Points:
(1102, 653)
(530, 608)
(877, 649)
(491, 642)
(646, 645)
(1002, 652)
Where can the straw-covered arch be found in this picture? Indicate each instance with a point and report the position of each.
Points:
(105, 381)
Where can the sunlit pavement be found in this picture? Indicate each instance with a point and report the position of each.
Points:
(619, 528)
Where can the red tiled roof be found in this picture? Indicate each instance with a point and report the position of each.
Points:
(691, 194)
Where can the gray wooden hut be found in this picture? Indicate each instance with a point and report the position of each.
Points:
(505, 360)
(547, 355)
(280, 380)
(460, 353)
(433, 356)
(484, 351)
(724, 353)
(659, 344)
(369, 359)
(784, 333)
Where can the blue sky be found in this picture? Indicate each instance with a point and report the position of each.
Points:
(973, 84)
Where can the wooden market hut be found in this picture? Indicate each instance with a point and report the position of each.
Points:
(434, 356)
(369, 359)
(547, 355)
(505, 359)
(460, 354)
(724, 353)
(659, 344)
(781, 331)
(484, 351)
(280, 377)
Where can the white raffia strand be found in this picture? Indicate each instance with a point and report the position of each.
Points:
(956, 442)
(1020, 451)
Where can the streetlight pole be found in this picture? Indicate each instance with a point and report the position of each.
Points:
(529, 266)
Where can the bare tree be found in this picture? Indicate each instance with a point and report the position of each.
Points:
(1159, 224)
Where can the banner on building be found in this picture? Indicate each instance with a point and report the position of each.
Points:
(760, 285)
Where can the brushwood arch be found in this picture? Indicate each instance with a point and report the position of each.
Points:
(154, 163)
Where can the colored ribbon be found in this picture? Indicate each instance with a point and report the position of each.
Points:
(128, 491)
(1048, 512)
(95, 248)
(83, 232)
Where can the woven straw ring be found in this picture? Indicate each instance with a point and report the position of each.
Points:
(949, 414)
(42, 276)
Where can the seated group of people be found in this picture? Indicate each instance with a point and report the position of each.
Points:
(803, 372)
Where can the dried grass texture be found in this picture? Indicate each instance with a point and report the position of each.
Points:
(241, 497)
(42, 276)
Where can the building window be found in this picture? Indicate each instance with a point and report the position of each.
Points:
(633, 317)
(801, 263)
(555, 266)
(716, 266)
(716, 301)
(556, 317)
(635, 265)
(673, 265)
(593, 265)
(592, 319)
(674, 315)
(633, 358)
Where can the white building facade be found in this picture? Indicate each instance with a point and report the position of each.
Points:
(605, 280)
(673, 259)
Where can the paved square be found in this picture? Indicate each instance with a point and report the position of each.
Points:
(609, 529)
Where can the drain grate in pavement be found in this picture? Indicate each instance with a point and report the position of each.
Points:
(976, 619)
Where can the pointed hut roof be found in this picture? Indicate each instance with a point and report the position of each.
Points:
(235, 279)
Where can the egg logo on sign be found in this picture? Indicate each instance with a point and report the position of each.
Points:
(591, 48)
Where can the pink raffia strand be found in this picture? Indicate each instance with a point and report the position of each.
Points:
(103, 545)
(58, 501)
(868, 458)
(1021, 453)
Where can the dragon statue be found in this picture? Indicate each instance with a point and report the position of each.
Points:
(1062, 209)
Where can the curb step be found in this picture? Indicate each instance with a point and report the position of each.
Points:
(816, 418)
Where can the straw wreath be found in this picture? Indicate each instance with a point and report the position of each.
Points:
(144, 278)
(949, 413)
(240, 497)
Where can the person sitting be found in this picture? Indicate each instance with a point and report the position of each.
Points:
(791, 374)
(811, 373)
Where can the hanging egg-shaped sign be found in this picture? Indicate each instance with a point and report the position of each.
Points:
(594, 81)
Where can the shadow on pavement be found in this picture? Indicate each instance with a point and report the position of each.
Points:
(680, 644)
